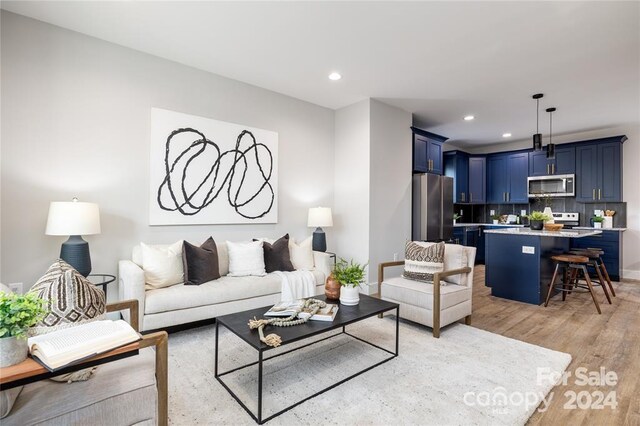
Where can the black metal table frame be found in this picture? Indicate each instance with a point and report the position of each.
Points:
(262, 359)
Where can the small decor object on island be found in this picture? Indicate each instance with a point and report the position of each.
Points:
(536, 220)
(17, 313)
(495, 218)
(597, 221)
(456, 217)
(332, 288)
(608, 219)
(350, 275)
(319, 217)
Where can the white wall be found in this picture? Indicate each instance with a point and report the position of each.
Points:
(631, 180)
(351, 193)
(75, 122)
(390, 185)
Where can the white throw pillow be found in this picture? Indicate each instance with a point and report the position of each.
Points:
(455, 257)
(162, 265)
(301, 254)
(246, 259)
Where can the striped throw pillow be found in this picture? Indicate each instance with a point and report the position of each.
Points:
(422, 261)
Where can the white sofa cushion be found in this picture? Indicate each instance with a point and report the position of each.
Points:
(162, 265)
(223, 256)
(420, 294)
(301, 254)
(222, 290)
(246, 259)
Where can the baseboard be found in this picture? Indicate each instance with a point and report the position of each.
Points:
(629, 274)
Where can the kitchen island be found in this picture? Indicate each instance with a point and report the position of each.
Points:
(518, 263)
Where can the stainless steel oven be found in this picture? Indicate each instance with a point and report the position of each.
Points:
(552, 186)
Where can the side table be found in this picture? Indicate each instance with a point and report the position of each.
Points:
(105, 280)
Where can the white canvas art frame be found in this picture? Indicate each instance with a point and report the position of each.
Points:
(205, 171)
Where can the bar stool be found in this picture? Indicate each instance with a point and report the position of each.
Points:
(570, 263)
(595, 262)
(603, 268)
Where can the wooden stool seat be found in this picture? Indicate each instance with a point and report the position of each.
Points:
(595, 257)
(570, 258)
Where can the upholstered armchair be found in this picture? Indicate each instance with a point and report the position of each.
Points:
(439, 303)
(127, 391)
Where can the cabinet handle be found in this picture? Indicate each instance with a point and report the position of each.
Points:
(508, 196)
(548, 169)
(594, 193)
(553, 169)
(471, 197)
(599, 194)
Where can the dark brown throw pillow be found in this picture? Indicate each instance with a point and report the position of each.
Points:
(200, 263)
(276, 255)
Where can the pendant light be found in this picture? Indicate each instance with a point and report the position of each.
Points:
(537, 138)
(551, 148)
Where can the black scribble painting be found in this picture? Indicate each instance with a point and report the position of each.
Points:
(211, 172)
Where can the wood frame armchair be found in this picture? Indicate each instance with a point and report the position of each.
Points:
(437, 278)
(160, 341)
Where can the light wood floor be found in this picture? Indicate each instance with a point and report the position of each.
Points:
(610, 340)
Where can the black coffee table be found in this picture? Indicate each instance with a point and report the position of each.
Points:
(238, 324)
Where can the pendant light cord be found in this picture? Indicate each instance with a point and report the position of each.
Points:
(550, 126)
(537, 115)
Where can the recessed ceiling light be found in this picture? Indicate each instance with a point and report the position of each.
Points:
(506, 135)
(468, 117)
(335, 76)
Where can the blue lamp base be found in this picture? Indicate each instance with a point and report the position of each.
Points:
(75, 251)
(319, 240)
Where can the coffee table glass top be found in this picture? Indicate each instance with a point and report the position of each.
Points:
(238, 322)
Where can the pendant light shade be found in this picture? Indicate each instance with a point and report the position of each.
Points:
(537, 138)
(551, 148)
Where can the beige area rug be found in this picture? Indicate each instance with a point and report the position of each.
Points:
(467, 377)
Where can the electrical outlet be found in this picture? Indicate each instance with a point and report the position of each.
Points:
(395, 257)
(523, 212)
(528, 250)
(492, 212)
(16, 287)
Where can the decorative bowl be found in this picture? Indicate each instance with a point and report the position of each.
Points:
(553, 226)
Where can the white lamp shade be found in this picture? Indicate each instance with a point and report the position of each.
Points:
(320, 216)
(73, 218)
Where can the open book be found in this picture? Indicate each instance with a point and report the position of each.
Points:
(285, 309)
(65, 347)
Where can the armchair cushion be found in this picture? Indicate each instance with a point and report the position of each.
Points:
(455, 257)
(422, 261)
(420, 294)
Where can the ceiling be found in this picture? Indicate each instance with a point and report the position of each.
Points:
(438, 60)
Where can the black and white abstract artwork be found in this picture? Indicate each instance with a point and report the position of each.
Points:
(206, 171)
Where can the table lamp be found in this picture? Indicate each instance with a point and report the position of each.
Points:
(319, 216)
(75, 219)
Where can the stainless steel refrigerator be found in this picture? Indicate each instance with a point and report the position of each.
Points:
(432, 218)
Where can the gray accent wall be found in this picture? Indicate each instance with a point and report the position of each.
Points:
(76, 120)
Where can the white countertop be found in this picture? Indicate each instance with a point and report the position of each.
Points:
(569, 233)
(602, 229)
(486, 224)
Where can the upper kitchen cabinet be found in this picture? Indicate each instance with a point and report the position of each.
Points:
(507, 178)
(599, 170)
(563, 164)
(477, 180)
(456, 166)
(427, 152)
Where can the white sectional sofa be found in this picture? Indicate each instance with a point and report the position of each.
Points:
(182, 304)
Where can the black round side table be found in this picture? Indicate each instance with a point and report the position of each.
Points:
(106, 279)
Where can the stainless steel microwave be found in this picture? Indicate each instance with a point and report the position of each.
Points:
(552, 186)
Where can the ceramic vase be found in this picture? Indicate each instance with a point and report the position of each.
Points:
(332, 288)
(12, 351)
(548, 212)
(597, 224)
(536, 225)
(607, 223)
(349, 295)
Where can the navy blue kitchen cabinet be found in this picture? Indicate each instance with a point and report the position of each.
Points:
(456, 166)
(477, 180)
(497, 184)
(507, 178)
(427, 152)
(459, 234)
(599, 170)
(563, 164)
(611, 243)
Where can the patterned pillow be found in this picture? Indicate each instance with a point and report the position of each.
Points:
(71, 300)
(422, 262)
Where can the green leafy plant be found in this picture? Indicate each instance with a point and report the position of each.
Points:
(495, 216)
(598, 219)
(18, 312)
(537, 215)
(456, 216)
(349, 274)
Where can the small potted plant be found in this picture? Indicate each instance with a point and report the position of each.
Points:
(18, 312)
(597, 221)
(537, 219)
(495, 218)
(456, 216)
(350, 275)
